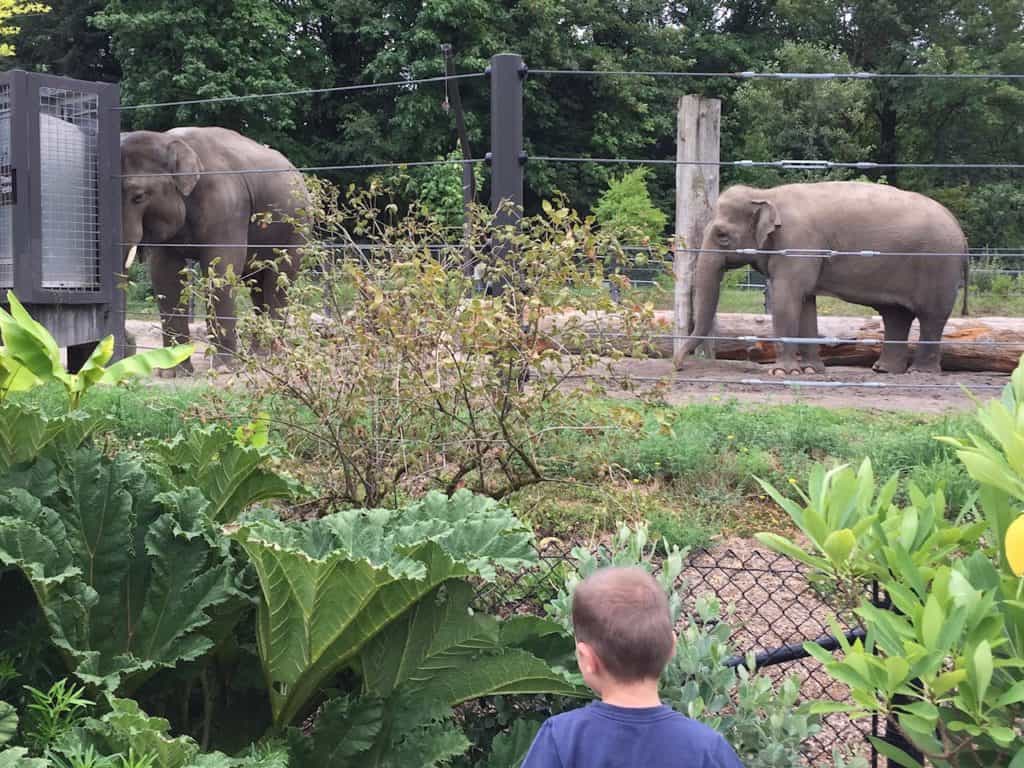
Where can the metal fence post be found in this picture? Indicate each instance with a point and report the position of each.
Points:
(506, 158)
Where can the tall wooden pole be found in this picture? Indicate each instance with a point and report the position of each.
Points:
(697, 140)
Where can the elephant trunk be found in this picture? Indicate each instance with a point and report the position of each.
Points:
(706, 289)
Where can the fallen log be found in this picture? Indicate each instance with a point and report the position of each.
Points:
(972, 347)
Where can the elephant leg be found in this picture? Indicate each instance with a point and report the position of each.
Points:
(165, 272)
(809, 353)
(928, 357)
(221, 322)
(787, 308)
(274, 294)
(897, 321)
(268, 294)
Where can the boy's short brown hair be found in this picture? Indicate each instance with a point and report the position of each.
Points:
(623, 614)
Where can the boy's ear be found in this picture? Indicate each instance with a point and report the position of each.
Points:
(586, 657)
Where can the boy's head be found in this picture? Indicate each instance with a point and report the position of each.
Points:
(621, 616)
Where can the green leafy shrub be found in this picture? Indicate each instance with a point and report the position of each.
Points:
(30, 356)
(395, 376)
(945, 660)
(625, 210)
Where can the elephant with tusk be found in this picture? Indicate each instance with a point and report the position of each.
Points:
(865, 243)
(190, 193)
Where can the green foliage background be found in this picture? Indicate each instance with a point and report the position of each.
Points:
(173, 50)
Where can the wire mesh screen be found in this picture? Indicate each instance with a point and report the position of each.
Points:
(773, 605)
(68, 148)
(6, 192)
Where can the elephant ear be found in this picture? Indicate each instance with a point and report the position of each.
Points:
(182, 159)
(766, 220)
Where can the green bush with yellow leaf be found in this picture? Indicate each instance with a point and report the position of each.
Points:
(944, 650)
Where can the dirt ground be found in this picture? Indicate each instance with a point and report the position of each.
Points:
(708, 381)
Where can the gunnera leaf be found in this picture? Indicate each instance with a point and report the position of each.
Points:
(17, 757)
(125, 587)
(230, 475)
(509, 748)
(330, 585)
(8, 723)
(346, 729)
(127, 728)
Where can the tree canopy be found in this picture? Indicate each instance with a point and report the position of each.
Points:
(172, 50)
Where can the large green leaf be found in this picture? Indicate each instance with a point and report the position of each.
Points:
(346, 729)
(231, 476)
(17, 757)
(144, 363)
(14, 377)
(127, 728)
(508, 750)
(8, 722)
(26, 434)
(441, 650)
(126, 586)
(438, 654)
(30, 343)
(330, 585)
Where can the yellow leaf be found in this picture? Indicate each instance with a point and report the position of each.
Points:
(1015, 546)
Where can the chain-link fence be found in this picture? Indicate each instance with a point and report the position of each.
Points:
(774, 609)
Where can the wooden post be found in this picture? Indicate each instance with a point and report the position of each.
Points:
(697, 139)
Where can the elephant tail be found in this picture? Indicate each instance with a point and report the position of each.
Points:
(967, 282)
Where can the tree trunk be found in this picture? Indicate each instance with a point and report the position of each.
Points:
(969, 353)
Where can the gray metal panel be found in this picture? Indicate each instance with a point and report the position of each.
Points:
(71, 256)
(6, 198)
(62, 114)
(26, 246)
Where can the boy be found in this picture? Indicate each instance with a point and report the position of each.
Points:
(624, 639)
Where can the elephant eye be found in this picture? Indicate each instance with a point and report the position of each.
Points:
(138, 197)
(723, 240)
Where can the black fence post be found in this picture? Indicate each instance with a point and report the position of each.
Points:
(506, 158)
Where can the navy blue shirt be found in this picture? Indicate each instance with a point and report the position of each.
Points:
(600, 735)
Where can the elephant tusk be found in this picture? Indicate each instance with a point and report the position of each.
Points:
(131, 257)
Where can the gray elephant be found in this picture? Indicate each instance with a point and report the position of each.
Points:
(197, 205)
(838, 216)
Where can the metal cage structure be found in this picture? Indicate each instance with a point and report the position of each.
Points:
(60, 208)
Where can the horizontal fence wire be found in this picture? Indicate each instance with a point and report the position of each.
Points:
(302, 92)
(809, 253)
(749, 75)
(306, 169)
(793, 165)
(789, 165)
(599, 334)
(828, 341)
(824, 253)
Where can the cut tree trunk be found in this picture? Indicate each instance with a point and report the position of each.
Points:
(969, 352)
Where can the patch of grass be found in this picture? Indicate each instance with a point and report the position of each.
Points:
(704, 459)
(586, 511)
(986, 300)
(690, 472)
(147, 410)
